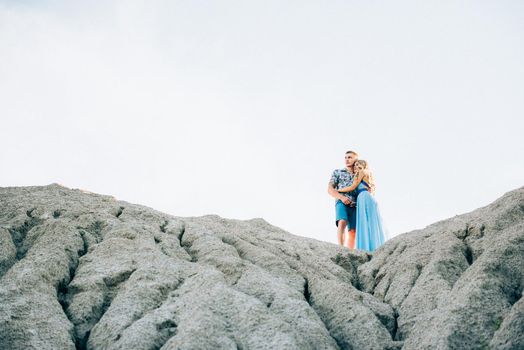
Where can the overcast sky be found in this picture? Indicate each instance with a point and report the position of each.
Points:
(244, 108)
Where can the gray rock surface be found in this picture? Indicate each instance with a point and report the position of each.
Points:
(87, 271)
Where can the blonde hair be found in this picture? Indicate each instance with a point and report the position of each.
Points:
(363, 162)
(366, 166)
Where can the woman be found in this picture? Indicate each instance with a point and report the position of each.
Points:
(370, 230)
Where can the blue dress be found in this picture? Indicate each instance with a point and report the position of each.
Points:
(370, 229)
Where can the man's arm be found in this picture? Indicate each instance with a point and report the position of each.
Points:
(335, 194)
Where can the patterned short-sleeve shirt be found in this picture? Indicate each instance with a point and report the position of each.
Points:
(342, 178)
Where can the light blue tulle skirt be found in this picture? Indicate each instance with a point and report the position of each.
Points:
(370, 228)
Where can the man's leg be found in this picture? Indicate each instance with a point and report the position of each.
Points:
(341, 220)
(341, 229)
(351, 225)
(351, 240)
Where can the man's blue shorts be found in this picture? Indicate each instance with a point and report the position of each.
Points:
(345, 212)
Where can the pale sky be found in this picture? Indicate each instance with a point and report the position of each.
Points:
(244, 108)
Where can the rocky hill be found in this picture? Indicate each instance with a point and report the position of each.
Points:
(87, 271)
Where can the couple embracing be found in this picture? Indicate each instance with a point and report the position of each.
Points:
(356, 208)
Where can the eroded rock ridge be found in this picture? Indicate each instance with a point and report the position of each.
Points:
(80, 270)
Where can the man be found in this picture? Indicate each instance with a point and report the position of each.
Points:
(345, 205)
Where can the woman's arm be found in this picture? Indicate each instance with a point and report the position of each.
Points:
(355, 183)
